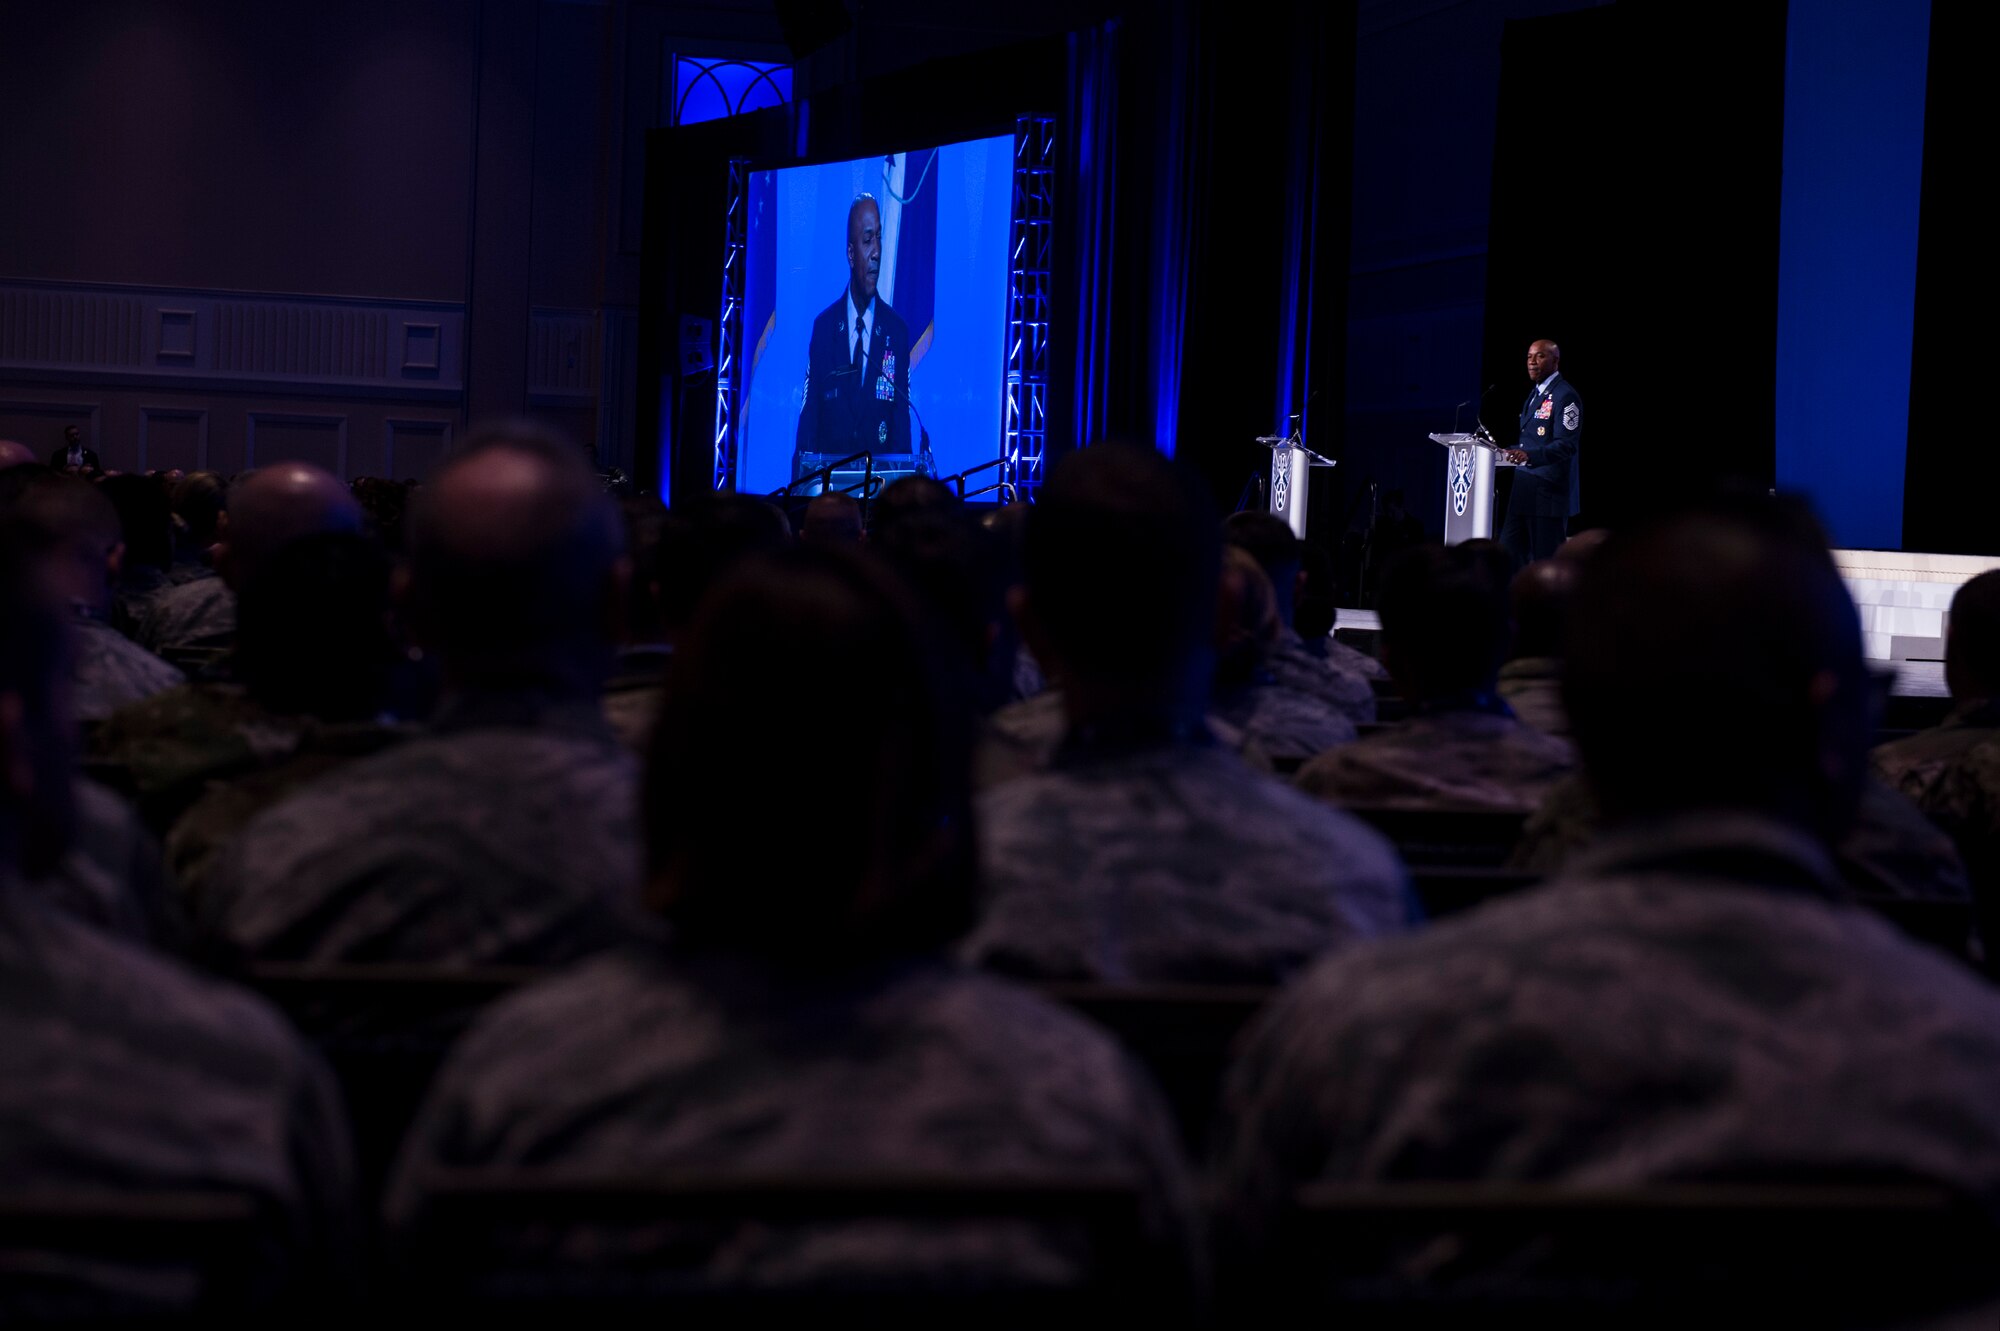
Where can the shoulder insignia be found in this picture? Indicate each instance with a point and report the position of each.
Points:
(1572, 416)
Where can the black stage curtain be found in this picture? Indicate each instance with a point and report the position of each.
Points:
(1947, 507)
(1636, 181)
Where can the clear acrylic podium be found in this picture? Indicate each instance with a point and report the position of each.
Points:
(1468, 485)
(1291, 478)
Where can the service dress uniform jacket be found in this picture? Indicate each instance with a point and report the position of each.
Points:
(850, 409)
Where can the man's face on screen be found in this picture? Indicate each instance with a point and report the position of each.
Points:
(864, 250)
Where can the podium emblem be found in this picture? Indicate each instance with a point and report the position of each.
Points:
(1461, 479)
(1281, 480)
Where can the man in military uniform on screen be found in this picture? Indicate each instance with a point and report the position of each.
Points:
(1546, 491)
(858, 363)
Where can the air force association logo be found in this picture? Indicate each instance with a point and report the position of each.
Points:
(1572, 416)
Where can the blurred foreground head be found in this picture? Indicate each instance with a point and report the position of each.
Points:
(1715, 662)
(274, 506)
(807, 794)
(517, 569)
(1120, 564)
(1444, 621)
(1972, 644)
(37, 726)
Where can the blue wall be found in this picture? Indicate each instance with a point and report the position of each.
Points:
(1847, 261)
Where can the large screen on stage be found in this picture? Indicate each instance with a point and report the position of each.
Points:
(921, 239)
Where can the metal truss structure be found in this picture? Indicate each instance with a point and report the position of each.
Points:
(729, 331)
(1025, 428)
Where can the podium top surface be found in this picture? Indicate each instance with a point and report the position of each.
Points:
(1485, 445)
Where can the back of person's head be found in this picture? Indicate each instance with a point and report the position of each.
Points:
(14, 453)
(832, 520)
(1246, 617)
(1491, 559)
(1715, 661)
(772, 830)
(957, 570)
(37, 726)
(200, 498)
(1541, 596)
(1972, 644)
(702, 540)
(273, 506)
(314, 635)
(72, 528)
(1120, 565)
(517, 563)
(907, 497)
(385, 504)
(645, 527)
(1270, 541)
(1444, 622)
(145, 519)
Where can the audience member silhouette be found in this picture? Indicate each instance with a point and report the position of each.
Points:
(1694, 999)
(316, 652)
(507, 833)
(267, 508)
(146, 525)
(799, 1014)
(1146, 851)
(72, 533)
(122, 1073)
(1531, 680)
(1272, 724)
(832, 520)
(1444, 631)
(1323, 673)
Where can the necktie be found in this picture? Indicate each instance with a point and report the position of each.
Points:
(860, 345)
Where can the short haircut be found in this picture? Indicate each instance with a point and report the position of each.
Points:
(1444, 620)
(1973, 648)
(703, 539)
(1541, 597)
(1268, 539)
(832, 519)
(200, 499)
(1695, 643)
(525, 598)
(145, 517)
(1247, 617)
(1120, 560)
(863, 200)
(957, 570)
(769, 831)
(312, 628)
(54, 511)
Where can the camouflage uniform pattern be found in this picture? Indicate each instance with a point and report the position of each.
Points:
(645, 1060)
(1892, 850)
(1172, 861)
(1468, 759)
(1599, 1031)
(1925, 766)
(1352, 660)
(200, 613)
(229, 803)
(508, 835)
(112, 876)
(1532, 686)
(1348, 692)
(121, 1069)
(112, 671)
(163, 752)
(1277, 727)
(1020, 738)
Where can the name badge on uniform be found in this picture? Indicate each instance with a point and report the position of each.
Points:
(884, 390)
(1541, 429)
(1548, 405)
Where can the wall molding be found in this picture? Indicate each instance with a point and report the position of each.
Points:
(255, 420)
(148, 416)
(277, 343)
